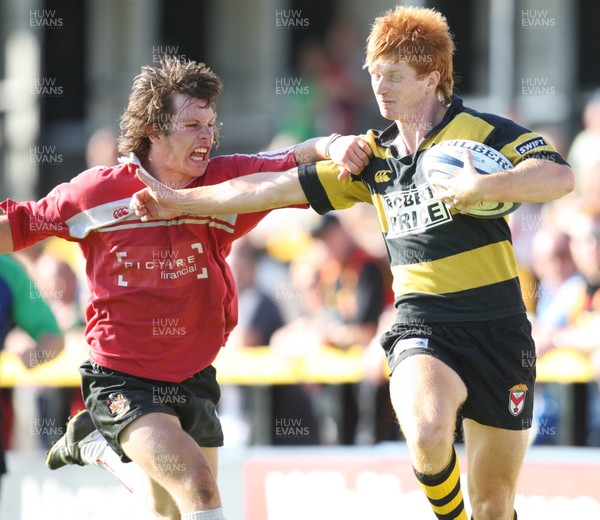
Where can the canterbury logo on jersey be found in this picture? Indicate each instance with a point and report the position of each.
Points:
(382, 176)
(121, 212)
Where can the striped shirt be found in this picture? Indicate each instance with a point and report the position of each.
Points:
(446, 266)
(162, 297)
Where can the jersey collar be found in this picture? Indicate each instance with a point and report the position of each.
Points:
(389, 135)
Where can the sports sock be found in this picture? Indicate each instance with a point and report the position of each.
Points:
(95, 451)
(209, 514)
(443, 491)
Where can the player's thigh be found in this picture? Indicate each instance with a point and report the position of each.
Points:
(494, 456)
(424, 390)
(162, 448)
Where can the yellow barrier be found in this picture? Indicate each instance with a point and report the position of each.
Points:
(263, 366)
(564, 365)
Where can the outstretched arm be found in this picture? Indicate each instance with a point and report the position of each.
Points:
(247, 194)
(350, 153)
(6, 240)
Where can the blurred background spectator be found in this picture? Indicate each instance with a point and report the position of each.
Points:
(59, 286)
(585, 147)
(259, 318)
(349, 289)
(36, 339)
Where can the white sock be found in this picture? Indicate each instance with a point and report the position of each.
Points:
(95, 451)
(209, 514)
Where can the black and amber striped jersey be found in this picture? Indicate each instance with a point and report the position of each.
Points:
(446, 266)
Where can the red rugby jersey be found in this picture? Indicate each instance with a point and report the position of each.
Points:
(162, 298)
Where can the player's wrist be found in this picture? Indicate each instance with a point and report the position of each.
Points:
(182, 203)
(330, 141)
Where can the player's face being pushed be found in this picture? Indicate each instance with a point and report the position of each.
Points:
(399, 91)
(182, 149)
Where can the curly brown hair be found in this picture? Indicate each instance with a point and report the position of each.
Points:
(150, 99)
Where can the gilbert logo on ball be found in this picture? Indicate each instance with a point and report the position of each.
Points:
(446, 159)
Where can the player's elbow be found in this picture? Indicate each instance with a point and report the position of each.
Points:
(566, 180)
(282, 191)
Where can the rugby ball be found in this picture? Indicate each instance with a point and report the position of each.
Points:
(445, 159)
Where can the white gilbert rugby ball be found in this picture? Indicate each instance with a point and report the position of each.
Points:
(445, 159)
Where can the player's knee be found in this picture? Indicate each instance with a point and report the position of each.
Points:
(430, 438)
(202, 485)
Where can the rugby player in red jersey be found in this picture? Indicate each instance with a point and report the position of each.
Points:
(162, 298)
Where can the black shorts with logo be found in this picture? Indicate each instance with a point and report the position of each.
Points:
(114, 399)
(495, 359)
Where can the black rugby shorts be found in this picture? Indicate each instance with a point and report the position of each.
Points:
(114, 399)
(495, 359)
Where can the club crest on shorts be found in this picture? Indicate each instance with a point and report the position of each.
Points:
(118, 404)
(516, 399)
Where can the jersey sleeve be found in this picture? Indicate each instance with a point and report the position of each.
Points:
(517, 143)
(29, 310)
(325, 192)
(32, 222)
(275, 161)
